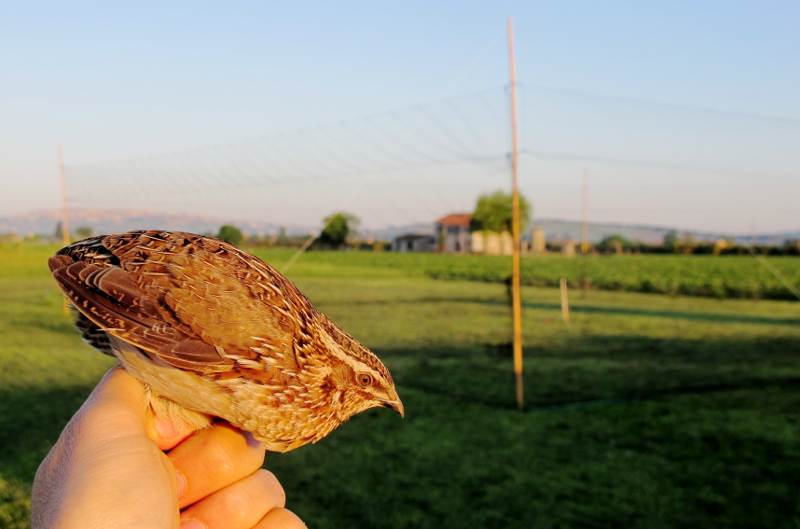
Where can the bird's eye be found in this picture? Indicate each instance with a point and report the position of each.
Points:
(364, 379)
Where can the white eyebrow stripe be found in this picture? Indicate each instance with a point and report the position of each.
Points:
(356, 365)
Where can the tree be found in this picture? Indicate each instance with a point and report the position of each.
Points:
(83, 232)
(670, 240)
(616, 243)
(230, 234)
(687, 244)
(282, 239)
(337, 227)
(791, 247)
(493, 212)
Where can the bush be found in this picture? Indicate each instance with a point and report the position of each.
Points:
(230, 234)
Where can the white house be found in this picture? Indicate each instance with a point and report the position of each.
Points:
(452, 233)
(414, 242)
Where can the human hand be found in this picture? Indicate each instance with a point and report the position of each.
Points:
(117, 466)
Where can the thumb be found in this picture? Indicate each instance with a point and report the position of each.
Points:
(105, 464)
(122, 399)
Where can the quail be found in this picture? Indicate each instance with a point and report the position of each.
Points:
(213, 331)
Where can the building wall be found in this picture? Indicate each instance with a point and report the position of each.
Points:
(492, 243)
(477, 242)
(453, 239)
(423, 244)
(539, 241)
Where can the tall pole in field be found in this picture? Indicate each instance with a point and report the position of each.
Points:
(584, 215)
(516, 299)
(64, 210)
(584, 234)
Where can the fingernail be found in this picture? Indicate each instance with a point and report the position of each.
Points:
(165, 428)
(180, 483)
(252, 442)
(193, 524)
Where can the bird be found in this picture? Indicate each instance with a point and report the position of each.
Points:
(213, 331)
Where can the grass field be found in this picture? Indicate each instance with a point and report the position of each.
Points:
(731, 276)
(647, 411)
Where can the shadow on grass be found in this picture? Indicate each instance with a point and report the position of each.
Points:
(30, 421)
(713, 317)
(590, 369)
(539, 403)
(583, 370)
(464, 458)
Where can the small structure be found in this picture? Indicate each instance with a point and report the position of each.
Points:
(414, 242)
(477, 240)
(568, 248)
(491, 242)
(720, 245)
(506, 243)
(538, 241)
(452, 232)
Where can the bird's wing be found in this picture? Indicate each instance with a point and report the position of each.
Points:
(92, 334)
(194, 302)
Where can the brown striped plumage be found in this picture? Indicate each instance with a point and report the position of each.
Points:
(221, 333)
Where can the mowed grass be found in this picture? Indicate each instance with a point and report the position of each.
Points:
(728, 276)
(646, 411)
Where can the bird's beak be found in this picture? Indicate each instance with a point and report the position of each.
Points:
(393, 402)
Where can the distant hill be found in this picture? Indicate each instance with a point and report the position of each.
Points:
(109, 221)
(567, 229)
(557, 229)
(388, 233)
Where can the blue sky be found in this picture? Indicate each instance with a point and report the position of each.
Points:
(114, 82)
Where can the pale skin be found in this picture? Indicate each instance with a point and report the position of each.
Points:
(116, 465)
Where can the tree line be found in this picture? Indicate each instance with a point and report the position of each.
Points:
(493, 212)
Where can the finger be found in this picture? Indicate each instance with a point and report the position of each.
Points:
(237, 506)
(280, 518)
(212, 459)
(167, 431)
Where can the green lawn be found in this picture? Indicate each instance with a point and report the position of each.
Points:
(647, 411)
(729, 276)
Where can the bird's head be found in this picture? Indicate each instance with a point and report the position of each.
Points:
(357, 380)
(362, 386)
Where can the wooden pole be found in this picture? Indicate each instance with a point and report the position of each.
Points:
(584, 283)
(564, 301)
(584, 215)
(300, 251)
(516, 299)
(64, 210)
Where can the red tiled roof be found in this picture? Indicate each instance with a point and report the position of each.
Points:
(455, 219)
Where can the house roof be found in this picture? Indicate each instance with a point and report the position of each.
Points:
(455, 219)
